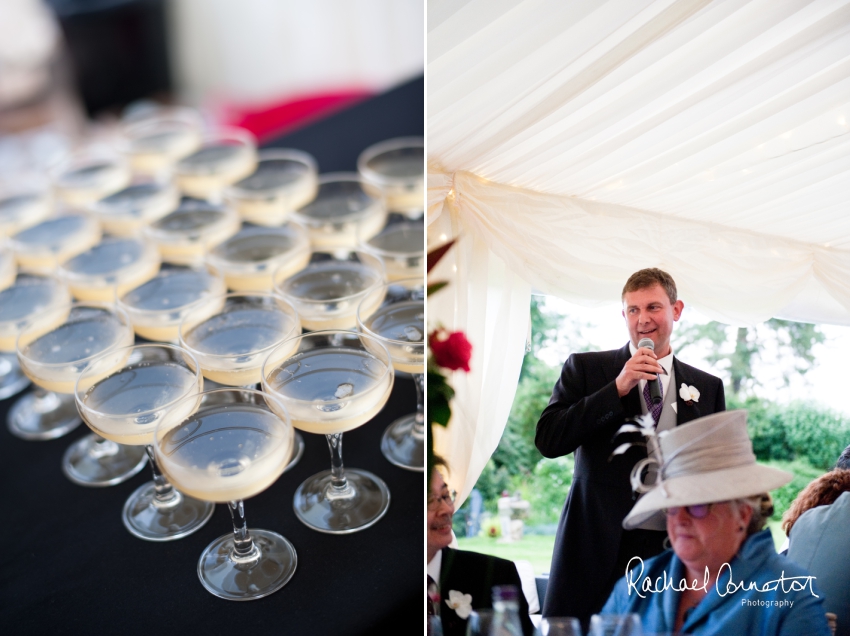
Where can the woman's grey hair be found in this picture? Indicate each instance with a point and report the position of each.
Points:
(762, 507)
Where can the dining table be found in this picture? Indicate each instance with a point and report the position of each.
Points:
(69, 566)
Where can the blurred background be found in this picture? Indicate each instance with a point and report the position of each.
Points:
(270, 66)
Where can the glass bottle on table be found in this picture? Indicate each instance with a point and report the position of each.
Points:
(506, 611)
(233, 447)
(53, 350)
(399, 323)
(332, 382)
(125, 407)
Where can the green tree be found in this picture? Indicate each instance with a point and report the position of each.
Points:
(736, 350)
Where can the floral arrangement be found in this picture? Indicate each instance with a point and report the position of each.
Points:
(446, 350)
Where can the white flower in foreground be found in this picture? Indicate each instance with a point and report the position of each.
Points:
(460, 603)
(689, 393)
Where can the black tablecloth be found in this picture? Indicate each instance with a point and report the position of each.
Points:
(68, 565)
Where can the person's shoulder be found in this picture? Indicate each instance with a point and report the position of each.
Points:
(596, 356)
(476, 559)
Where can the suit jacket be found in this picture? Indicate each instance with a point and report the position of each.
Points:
(476, 574)
(583, 416)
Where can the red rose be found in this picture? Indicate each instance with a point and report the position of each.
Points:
(450, 349)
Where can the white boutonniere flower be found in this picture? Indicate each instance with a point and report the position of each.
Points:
(460, 603)
(689, 394)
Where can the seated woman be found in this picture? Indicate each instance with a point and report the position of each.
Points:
(723, 575)
(817, 524)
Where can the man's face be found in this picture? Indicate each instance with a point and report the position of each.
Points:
(440, 511)
(650, 314)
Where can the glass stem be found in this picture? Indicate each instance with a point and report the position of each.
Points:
(339, 487)
(243, 545)
(165, 495)
(419, 423)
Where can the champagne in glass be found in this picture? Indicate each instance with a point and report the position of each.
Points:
(155, 141)
(284, 180)
(224, 157)
(23, 204)
(332, 382)
(125, 407)
(395, 168)
(8, 270)
(328, 291)
(399, 324)
(112, 267)
(89, 175)
(127, 211)
(233, 447)
(157, 307)
(401, 246)
(44, 246)
(249, 258)
(53, 350)
(27, 297)
(185, 235)
(343, 214)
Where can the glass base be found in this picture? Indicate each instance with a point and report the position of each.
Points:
(365, 501)
(151, 521)
(403, 444)
(12, 379)
(255, 578)
(94, 461)
(297, 451)
(43, 415)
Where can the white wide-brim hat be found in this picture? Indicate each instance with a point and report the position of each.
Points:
(704, 461)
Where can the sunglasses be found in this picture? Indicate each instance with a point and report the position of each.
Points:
(700, 511)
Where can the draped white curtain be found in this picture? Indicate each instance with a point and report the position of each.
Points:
(572, 143)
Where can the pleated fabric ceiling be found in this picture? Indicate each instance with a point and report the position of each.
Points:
(571, 143)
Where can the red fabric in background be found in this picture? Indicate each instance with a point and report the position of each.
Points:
(269, 121)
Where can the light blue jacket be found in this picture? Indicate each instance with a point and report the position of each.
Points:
(729, 608)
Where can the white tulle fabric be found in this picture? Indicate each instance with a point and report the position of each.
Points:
(572, 143)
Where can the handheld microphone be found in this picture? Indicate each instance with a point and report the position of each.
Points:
(654, 385)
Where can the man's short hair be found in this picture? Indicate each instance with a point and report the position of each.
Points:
(650, 277)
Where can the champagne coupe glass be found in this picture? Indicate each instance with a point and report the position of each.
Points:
(343, 213)
(401, 246)
(28, 296)
(396, 169)
(327, 292)
(125, 407)
(332, 382)
(615, 625)
(157, 307)
(155, 141)
(563, 626)
(23, 202)
(89, 174)
(185, 235)
(53, 350)
(110, 268)
(224, 157)
(284, 181)
(232, 448)
(399, 324)
(232, 335)
(127, 211)
(42, 247)
(250, 257)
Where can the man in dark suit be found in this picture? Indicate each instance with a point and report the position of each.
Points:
(462, 572)
(595, 394)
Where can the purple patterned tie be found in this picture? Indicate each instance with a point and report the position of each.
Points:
(655, 409)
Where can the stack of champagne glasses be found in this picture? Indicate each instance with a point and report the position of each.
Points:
(203, 307)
